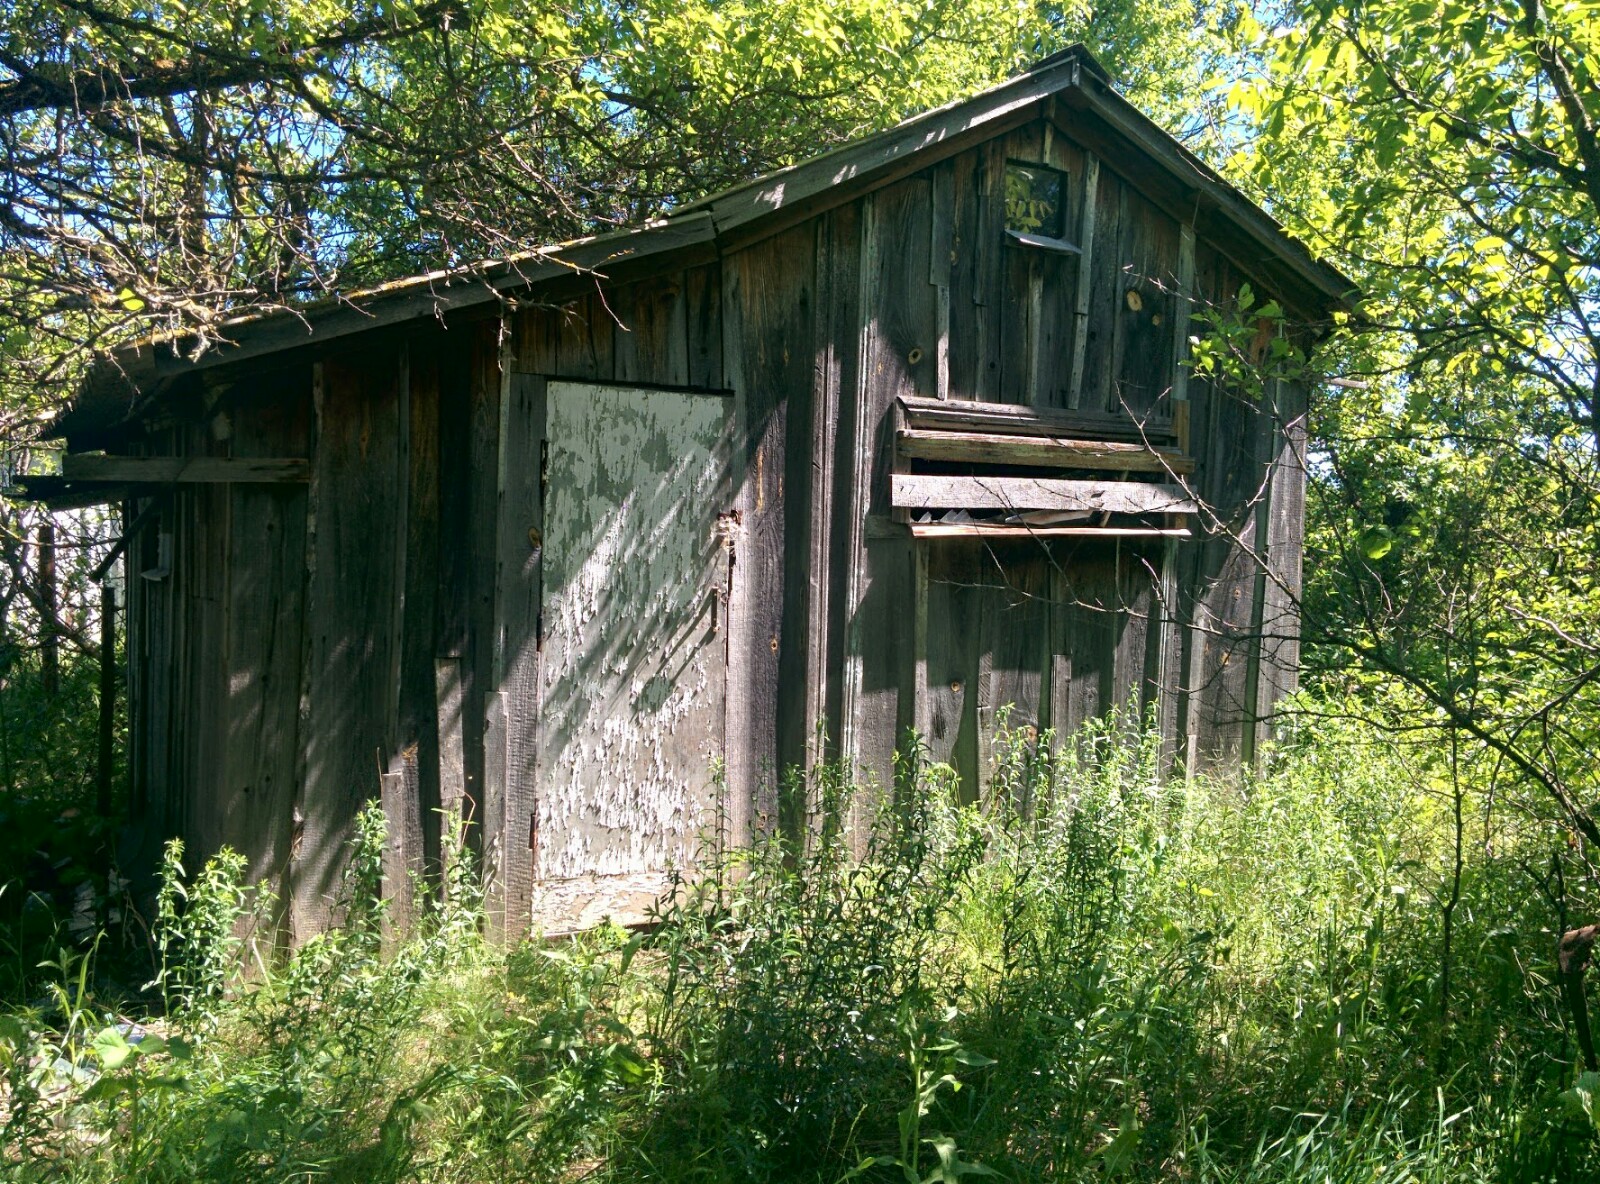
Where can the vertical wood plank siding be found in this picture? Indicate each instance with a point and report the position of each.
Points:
(352, 602)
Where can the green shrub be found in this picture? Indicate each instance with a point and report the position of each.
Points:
(1096, 973)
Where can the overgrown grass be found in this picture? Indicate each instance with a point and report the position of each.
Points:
(1095, 974)
(57, 853)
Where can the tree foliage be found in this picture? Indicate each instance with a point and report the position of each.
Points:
(1446, 155)
(169, 164)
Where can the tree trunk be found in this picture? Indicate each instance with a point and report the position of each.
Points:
(108, 698)
(49, 621)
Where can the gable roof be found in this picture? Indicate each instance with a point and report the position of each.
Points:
(1065, 87)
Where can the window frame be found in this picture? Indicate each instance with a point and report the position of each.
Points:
(1058, 244)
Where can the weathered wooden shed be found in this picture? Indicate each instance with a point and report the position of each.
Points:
(885, 441)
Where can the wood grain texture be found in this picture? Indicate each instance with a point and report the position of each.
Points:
(702, 294)
(978, 530)
(1051, 452)
(1285, 549)
(416, 719)
(264, 647)
(450, 700)
(853, 489)
(651, 338)
(518, 601)
(811, 729)
(632, 676)
(845, 269)
(973, 251)
(164, 470)
(1183, 325)
(1085, 624)
(918, 491)
(941, 260)
(496, 785)
(898, 358)
(768, 334)
(351, 602)
(585, 332)
(1083, 285)
(478, 540)
(1018, 293)
(1101, 345)
(1146, 309)
(1006, 419)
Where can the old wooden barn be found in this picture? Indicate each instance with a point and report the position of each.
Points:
(885, 441)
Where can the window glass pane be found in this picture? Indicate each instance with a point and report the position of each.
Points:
(1034, 200)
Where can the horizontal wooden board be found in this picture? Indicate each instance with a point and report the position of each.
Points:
(1012, 419)
(977, 530)
(58, 493)
(918, 492)
(1039, 451)
(164, 470)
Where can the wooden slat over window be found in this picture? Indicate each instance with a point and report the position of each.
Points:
(986, 530)
(1009, 419)
(916, 491)
(1053, 452)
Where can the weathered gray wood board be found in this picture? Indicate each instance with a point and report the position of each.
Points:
(1021, 637)
(914, 491)
(632, 672)
(194, 470)
(509, 824)
(264, 621)
(354, 557)
(1051, 452)
(767, 338)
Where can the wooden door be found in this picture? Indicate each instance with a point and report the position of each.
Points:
(633, 673)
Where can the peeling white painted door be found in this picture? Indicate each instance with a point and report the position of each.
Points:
(633, 670)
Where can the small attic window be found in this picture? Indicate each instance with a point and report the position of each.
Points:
(1036, 211)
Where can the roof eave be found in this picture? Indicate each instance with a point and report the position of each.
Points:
(123, 380)
(1329, 289)
(118, 386)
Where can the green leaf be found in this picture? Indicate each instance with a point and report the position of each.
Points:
(973, 1060)
(1579, 1101)
(1118, 1155)
(111, 1047)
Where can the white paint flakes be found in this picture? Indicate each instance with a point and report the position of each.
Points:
(632, 676)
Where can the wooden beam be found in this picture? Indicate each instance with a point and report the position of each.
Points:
(973, 530)
(1039, 451)
(168, 470)
(917, 492)
(1080, 298)
(140, 520)
(1015, 420)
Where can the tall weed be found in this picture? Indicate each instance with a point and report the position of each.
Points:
(1096, 972)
